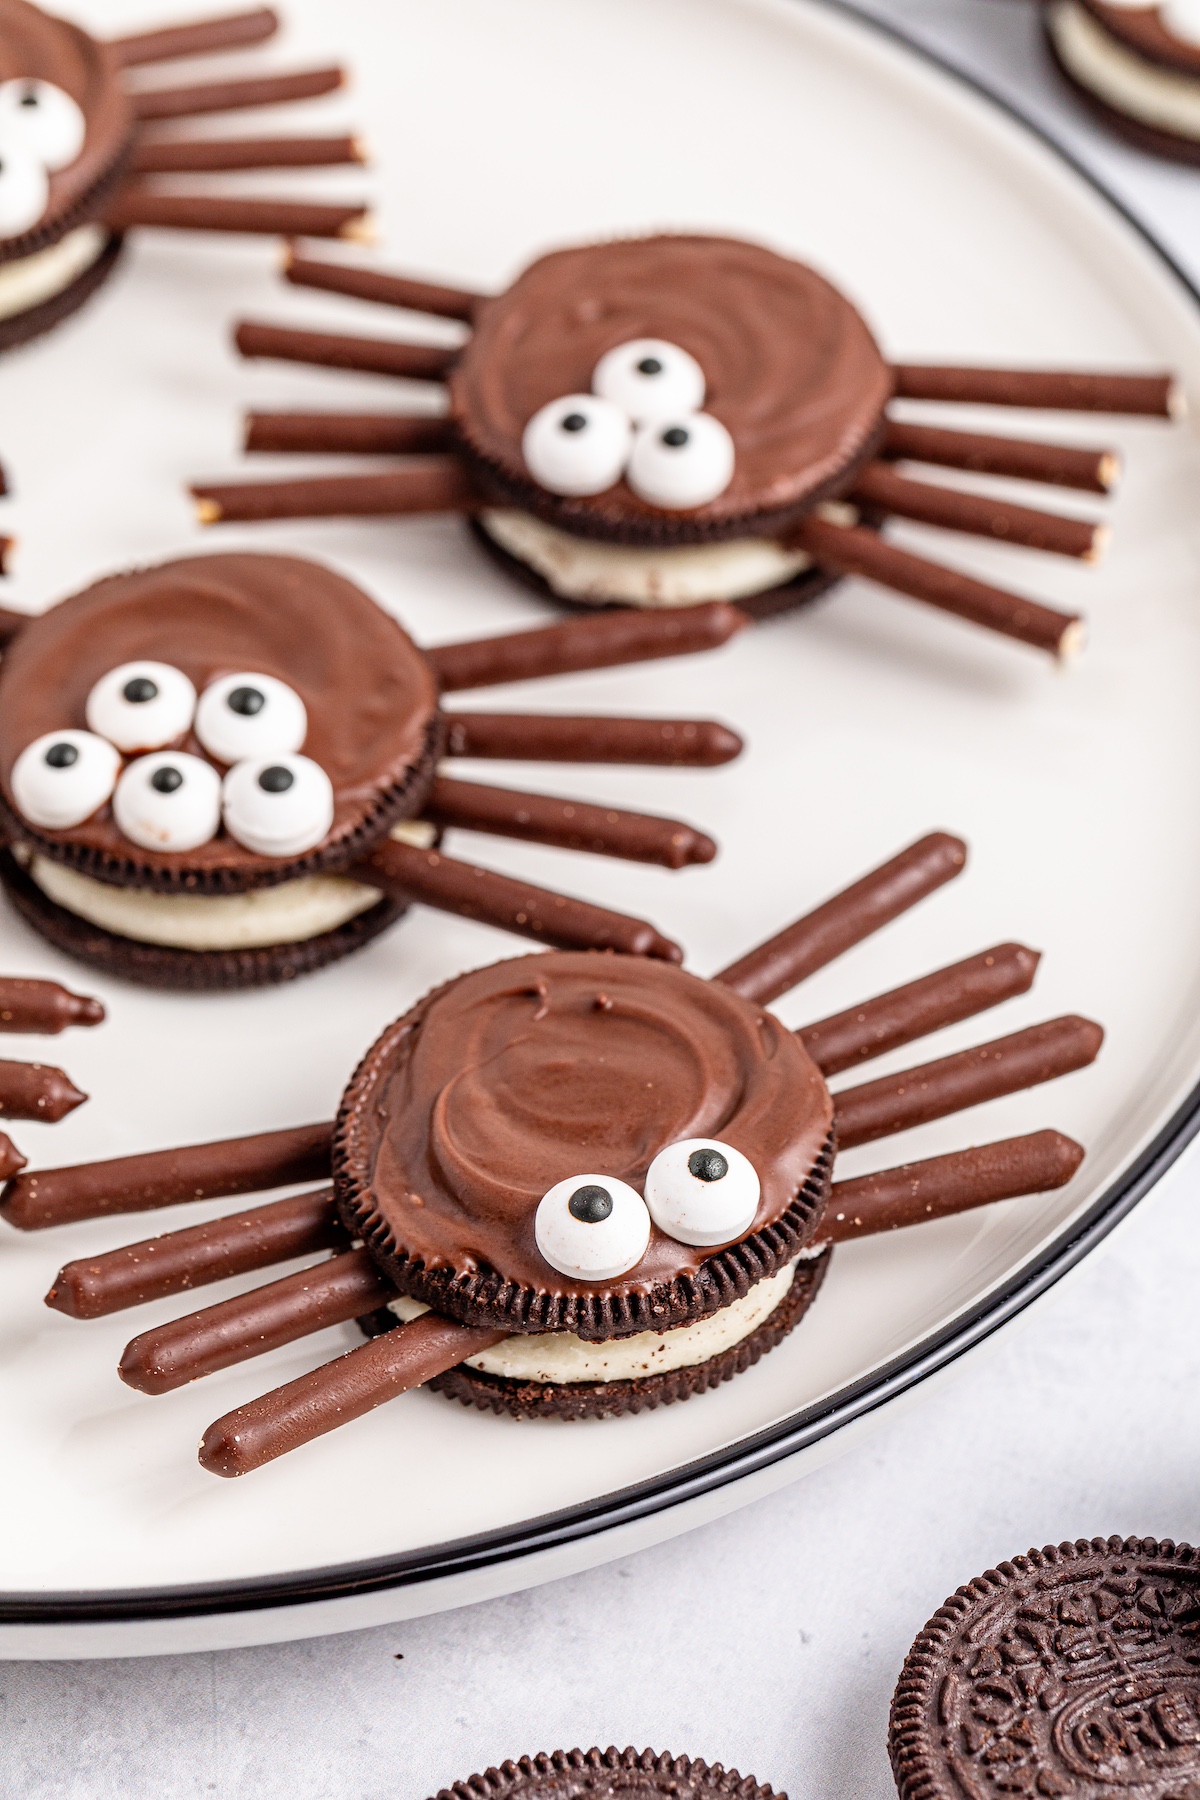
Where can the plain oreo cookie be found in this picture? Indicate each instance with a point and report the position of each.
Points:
(1072, 1672)
(598, 1774)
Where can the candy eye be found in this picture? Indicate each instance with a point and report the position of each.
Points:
(24, 186)
(592, 1227)
(168, 801)
(702, 1192)
(681, 462)
(650, 379)
(277, 805)
(141, 705)
(250, 715)
(577, 445)
(61, 779)
(44, 118)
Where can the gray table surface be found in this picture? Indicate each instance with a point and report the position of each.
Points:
(771, 1640)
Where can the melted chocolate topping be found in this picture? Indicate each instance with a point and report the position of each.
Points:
(521, 1075)
(369, 693)
(1143, 31)
(790, 367)
(35, 44)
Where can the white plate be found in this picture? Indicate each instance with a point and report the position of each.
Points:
(503, 126)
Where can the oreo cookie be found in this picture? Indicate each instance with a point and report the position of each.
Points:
(1135, 68)
(604, 1774)
(1072, 1672)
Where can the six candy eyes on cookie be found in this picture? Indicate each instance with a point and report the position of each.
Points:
(271, 800)
(698, 1191)
(41, 131)
(642, 420)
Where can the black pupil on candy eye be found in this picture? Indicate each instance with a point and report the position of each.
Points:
(140, 689)
(166, 780)
(707, 1165)
(590, 1204)
(574, 422)
(675, 438)
(649, 365)
(29, 97)
(276, 780)
(246, 700)
(61, 756)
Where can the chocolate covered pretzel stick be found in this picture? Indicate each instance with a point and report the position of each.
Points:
(919, 1008)
(854, 550)
(43, 1006)
(356, 434)
(339, 1391)
(864, 907)
(1058, 465)
(125, 1184)
(602, 640)
(177, 1261)
(387, 290)
(1058, 390)
(187, 156)
(334, 350)
(140, 204)
(569, 824)
(231, 96)
(231, 32)
(10, 622)
(943, 1185)
(423, 484)
(1005, 1066)
(516, 906)
(11, 1160)
(538, 737)
(233, 1331)
(978, 514)
(37, 1091)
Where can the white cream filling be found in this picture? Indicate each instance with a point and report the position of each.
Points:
(31, 280)
(587, 570)
(560, 1356)
(1164, 98)
(289, 913)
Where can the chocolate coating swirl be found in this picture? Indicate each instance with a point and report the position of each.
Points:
(1142, 30)
(791, 371)
(35, 44)
(524, 1074)
(369, 693)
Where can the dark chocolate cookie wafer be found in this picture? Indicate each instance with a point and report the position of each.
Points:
(605, 1774)
(1071, 1672)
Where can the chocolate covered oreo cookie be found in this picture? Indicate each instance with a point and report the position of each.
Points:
(1071, 1672)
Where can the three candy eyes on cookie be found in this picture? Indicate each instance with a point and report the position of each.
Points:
(698, 1191)
(271, 800)
(642, 420)
(41, 130)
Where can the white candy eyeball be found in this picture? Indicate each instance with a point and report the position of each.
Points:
(681, 462)
(61, 779)
(1182, 19)
(24, 184)
(168, 801)
(702, 1192)
(141, 705)
(650, 379)
(250, 715)
(277, 805)
(592, 1227)
(577, 445)
(43, 117)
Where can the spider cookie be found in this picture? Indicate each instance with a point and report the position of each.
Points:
(1070, 1671)
(224, 770)
(80, 145)
(572, 1185)
(1136, 65)
(660, 421)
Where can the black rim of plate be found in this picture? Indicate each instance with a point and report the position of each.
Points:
(751, 1455)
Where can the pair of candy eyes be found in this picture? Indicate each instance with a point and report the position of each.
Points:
(642, 420)
(698, 1191)
(41, 130)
